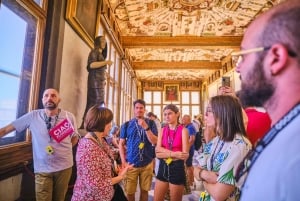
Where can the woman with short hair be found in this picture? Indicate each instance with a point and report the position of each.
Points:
(94, 159)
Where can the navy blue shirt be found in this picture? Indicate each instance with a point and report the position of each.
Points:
(134, 135)
(192, 131)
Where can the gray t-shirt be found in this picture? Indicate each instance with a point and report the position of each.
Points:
(275, 174)
(44, 162)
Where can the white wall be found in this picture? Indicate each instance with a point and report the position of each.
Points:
(73, 80)
(10, 188)
(234, 81)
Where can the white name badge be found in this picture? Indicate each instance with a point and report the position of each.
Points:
(61, 130)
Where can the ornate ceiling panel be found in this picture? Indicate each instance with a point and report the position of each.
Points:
(178, 54)
(170, 75)
(139, 21)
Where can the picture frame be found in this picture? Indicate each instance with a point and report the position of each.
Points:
(84, 17)
(171, 92)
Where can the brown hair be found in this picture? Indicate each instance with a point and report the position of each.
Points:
(140, 101)
(227, 111)
(96, 118)
(173, 108)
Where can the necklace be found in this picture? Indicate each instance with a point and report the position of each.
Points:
(97, 139)
(171, 140)
(141, 133)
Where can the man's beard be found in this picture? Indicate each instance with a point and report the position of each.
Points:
(256, 89)
(50, 105)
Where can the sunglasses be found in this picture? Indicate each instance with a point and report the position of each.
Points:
(48, 122)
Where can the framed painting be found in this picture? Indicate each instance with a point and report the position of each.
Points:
(171, 93)
(84, 18)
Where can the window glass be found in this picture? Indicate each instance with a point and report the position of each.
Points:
(185, 97)
(148, 108)
(195, 110)
(17, 51)
(12, 42)
(189, 102)
(185, 110)
(39, 2)
(157, 110)
(8, 99)
(156, 97)
(147, 97)
(195, 97)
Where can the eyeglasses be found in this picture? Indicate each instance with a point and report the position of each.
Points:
(237, 57)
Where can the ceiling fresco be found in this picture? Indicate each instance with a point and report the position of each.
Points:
(180, 75)
(183, 18)
(178, 54)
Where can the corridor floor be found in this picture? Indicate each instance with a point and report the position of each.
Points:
(194, 196)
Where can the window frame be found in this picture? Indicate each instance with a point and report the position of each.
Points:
(18, 152)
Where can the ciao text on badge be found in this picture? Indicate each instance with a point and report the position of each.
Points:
(61, 130)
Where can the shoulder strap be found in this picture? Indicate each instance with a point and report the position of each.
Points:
(126, 126)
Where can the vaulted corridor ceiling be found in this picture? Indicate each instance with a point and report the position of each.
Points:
(181, 39)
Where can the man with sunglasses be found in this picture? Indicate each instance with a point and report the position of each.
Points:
(269, 68)
(53, 132)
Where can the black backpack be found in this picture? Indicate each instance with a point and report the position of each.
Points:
(198, 140)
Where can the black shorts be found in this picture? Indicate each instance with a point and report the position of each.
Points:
(173, 173)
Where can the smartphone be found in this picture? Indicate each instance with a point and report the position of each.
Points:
(225, 81)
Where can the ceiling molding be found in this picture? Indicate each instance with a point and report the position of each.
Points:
(180, 41)
(159, 65)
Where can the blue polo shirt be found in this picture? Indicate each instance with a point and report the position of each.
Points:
(192, 131)
(134, 135)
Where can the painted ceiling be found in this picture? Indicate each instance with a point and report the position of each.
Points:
(163, 20)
